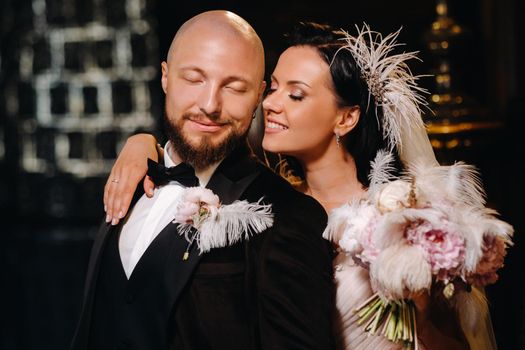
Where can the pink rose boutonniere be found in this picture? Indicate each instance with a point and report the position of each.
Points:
(204, 220)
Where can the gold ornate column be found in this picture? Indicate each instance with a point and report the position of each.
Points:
(459, 121)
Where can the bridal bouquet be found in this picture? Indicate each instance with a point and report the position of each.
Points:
(202, 218)
(429, 227)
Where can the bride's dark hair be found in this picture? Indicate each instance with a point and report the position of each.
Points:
(350, 89)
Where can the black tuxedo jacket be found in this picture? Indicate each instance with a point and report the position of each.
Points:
(273, 291)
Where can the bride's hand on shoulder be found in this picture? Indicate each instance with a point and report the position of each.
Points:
(129, 168)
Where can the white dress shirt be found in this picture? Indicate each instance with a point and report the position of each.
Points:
(150, 215)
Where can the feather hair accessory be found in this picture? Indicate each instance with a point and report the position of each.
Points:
(203, 220)
(394, 89)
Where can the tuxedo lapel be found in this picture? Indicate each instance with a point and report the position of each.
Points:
(229, 181)
(82, 332)
(153, 257)
(227, 189)
(95, 257)
(100, 242)
(234, 175)
(178, 271)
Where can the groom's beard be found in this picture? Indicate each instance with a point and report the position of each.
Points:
(206, 153)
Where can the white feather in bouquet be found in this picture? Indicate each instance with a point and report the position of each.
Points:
(398, 268)
(338, 220)
(381, 172)
(457, 185)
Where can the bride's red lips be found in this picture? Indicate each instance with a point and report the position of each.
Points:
(273, 126)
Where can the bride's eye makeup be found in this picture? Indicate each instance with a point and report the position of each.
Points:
(296, 95)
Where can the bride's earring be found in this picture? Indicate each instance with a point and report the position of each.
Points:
(338, 140)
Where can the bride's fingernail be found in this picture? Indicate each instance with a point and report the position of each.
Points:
(114, 221)
(108, 218)
(105, 207)
(120, 214)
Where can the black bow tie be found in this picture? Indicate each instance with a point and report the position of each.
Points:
(182, 173)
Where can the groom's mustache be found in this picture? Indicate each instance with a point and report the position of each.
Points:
(203, 117)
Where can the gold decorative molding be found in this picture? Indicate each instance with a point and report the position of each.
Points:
(455, 128)
(459, 136)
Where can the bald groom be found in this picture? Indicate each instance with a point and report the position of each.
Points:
(273, 291)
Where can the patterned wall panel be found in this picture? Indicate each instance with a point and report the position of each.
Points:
(84, 85)
(85, 79)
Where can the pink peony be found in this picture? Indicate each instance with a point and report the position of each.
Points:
(358, 237)
(494, 251)
(370, 252)
(443, 245)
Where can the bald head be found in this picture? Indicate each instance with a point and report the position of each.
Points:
(219, 24)
(213, 80)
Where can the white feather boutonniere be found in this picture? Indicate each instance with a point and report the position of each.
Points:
(204, 221)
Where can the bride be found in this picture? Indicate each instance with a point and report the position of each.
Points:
(328, 112)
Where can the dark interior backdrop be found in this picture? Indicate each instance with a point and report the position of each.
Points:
(78, 76)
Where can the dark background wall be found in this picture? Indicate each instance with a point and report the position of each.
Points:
(78, 76)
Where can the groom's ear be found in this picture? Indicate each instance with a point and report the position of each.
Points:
(261, 92)
(347, 120)
(164, 77)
